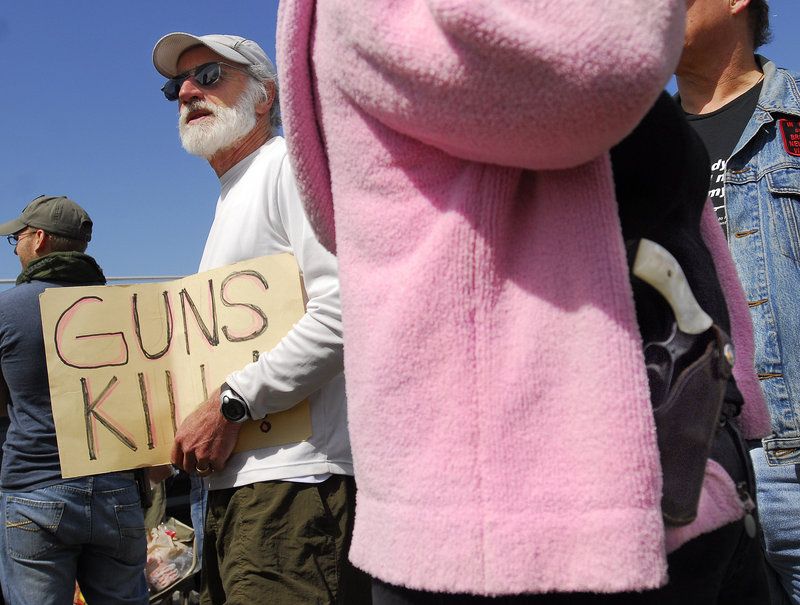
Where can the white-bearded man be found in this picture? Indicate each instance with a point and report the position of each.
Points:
(278, 519)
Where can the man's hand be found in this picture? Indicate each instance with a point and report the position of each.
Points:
(157, 474)
(205, 439)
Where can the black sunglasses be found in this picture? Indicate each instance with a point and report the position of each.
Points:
(205, 75)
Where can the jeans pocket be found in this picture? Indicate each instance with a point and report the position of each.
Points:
(130, 520)
(132, 539)
(31, 526)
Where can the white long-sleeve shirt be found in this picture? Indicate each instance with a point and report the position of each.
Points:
(259, 213)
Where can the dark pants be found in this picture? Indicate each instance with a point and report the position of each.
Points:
(723, 567)
(282, 542)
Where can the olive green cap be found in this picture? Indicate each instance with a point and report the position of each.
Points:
(56, 215)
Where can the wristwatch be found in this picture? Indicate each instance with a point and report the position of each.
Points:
(232, 406)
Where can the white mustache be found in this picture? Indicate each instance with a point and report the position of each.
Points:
(204, 105)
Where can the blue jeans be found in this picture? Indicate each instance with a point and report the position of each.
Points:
(198, 498)
(779, 512)
(90, 529)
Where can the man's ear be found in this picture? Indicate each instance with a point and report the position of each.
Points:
(41, 243)
(263, 106)
(737, 6)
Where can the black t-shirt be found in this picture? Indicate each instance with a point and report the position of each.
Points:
(661, 176)
(661, 179)
(720, 131)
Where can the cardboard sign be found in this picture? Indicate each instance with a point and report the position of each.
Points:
(128, 363)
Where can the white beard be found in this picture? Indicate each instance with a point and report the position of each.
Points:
(218, 131)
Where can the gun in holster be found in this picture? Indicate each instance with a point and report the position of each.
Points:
(689, 361)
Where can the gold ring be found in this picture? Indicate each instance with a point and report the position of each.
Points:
(203, 471)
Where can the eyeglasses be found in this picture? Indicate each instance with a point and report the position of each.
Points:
(205, 75)
(15, 237)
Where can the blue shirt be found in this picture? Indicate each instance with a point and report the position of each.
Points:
(30, 453)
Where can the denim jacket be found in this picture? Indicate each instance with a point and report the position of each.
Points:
(762, 192)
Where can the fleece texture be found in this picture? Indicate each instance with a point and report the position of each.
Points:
(453, 154)
(754, 419)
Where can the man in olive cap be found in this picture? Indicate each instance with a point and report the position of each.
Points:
(57, 531)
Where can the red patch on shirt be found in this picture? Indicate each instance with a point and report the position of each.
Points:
(790, 130)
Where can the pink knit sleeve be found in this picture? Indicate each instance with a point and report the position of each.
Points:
(755, 418)
(301, 123)
(541, 84)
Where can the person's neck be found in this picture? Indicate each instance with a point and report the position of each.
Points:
(708, 87)
(226, 159)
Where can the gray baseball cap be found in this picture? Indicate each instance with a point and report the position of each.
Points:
(240, 50)
(57, 215)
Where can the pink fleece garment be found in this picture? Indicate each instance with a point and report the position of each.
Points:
(453, 153)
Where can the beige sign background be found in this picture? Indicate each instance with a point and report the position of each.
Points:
(128, 363)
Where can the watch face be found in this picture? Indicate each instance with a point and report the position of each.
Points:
(233, 408)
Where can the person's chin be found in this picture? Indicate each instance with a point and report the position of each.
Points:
(198, 150)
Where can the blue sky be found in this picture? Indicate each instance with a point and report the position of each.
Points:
(82, 115)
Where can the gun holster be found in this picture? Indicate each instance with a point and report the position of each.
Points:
(688, 375)
(686, 421)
